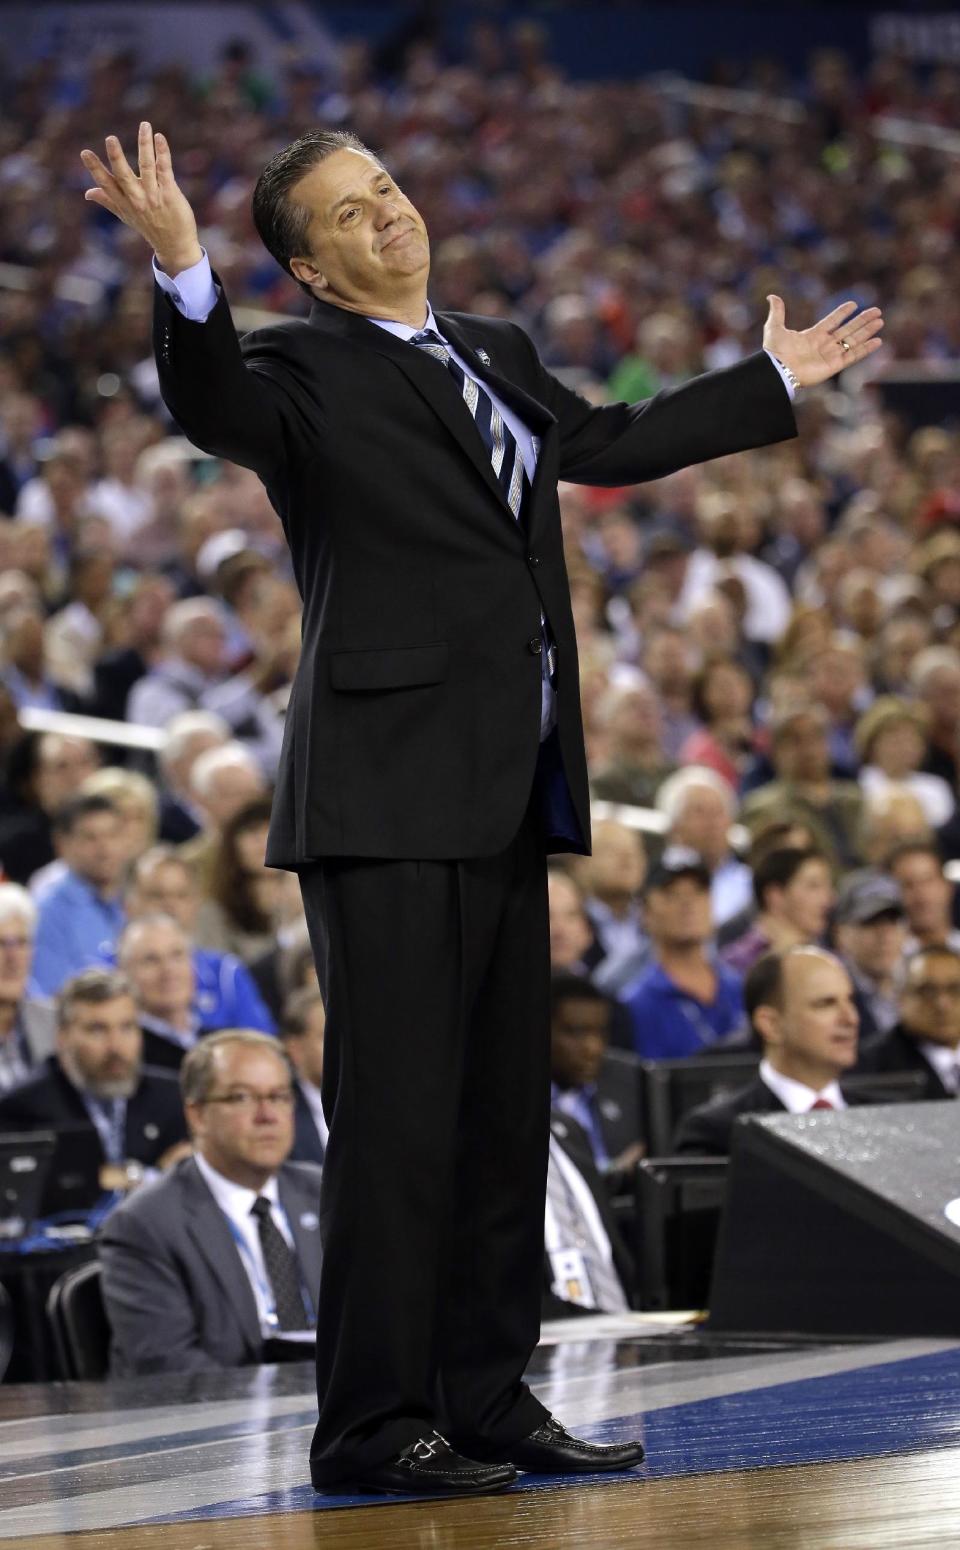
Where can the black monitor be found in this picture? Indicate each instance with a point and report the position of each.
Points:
(669, 1089)
(24, 1165)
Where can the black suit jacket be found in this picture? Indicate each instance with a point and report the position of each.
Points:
(576, 1144)
(307, 1145)
(412, 729)
(706, 1131)
(155, 1118)
(897, 1051)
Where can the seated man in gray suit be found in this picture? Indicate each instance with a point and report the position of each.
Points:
(217, 1264)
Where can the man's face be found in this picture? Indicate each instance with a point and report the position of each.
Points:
(807, 899)
(366, 240)
(63, 762)
(16, 952)
(580, 1033)
(801, 752)
(306, 1049)
(570, 934)
(926, 894)
(96, 849)
(617, 865)
(202, 644)
(876, 946)
(166, 889)
(818, 1022)
(158, 962)
(930, 999)
(100, 1047)
(255, 1134)
(941, 691)
(231, 788)
(702, 824)
(679, 915)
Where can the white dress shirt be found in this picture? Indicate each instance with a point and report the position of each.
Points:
(315, 1104)
(944, 1060)
(236, 1203)
(796, 1096)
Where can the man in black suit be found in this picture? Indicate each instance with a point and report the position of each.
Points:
(433, 753)
(217, 1263)
(302, 1029)
(96, 1078)
(801, 1003)
(588, 1084)
(926, 1039)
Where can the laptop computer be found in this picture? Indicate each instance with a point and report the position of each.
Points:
(72, 1184)
(24, 1164)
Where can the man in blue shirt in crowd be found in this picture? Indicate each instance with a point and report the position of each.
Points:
(80, 917)
(685, 1000)
(226, 995)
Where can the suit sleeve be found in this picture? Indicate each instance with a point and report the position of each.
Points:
(731, 410)
(230, 400)
(152, 1322)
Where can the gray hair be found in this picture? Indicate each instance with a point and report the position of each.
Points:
(186, 726)
(677, 787)
(198, 1072)
(93, 987)
(182, 615)
(209, 764)
(16, 904)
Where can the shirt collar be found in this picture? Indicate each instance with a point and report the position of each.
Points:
(796, 1096)
(234, 1200)
(404, 331)
(944, 1060)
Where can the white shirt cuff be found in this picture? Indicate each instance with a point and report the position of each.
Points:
(192, 291)
(785, 376)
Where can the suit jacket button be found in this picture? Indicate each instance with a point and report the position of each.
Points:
(535, 646)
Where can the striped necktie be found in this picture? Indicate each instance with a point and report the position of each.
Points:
(496, 435)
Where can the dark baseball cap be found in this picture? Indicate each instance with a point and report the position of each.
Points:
(866, 896)
(675, 862)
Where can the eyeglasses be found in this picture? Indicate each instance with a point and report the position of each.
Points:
(281, 1098)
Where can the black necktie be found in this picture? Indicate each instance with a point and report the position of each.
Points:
(280, 1263)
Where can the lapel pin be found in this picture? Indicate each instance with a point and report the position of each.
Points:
(151, 1132)
(484, 357)
(310, 1220)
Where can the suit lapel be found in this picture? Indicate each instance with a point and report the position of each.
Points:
(213, 1239)
(303, 1215)
(430, 378)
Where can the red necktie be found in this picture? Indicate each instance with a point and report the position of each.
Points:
(822, 1103)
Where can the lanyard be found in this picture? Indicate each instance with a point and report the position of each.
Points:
(110, 1117)
(267, 1300)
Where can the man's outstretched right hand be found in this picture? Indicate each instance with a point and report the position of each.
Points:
(151, 203)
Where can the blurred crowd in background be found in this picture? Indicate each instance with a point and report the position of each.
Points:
(769, 645)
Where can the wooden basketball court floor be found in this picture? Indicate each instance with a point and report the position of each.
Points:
(751, 1443)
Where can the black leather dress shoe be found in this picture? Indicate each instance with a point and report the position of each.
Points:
(429, 1467)
(550, 1450)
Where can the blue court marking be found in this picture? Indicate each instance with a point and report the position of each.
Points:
(894, 1407)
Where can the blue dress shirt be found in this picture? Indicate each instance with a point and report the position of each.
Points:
(76, 929)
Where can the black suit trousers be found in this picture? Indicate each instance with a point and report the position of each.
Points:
(436, 1090)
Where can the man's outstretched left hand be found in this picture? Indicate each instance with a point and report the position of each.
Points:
(814, 354)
